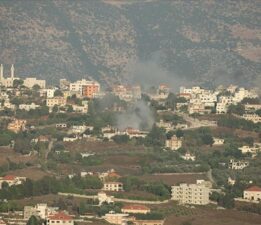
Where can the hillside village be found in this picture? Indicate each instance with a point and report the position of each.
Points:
(87, 154)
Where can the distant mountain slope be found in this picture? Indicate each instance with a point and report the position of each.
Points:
(207, 41)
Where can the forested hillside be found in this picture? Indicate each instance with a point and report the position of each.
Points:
(207, 41)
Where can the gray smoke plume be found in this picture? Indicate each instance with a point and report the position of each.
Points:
(151, 73)
(138, 116)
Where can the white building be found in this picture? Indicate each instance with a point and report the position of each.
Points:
(50, 92)
(238, 165)
(253, 193)
(28, 107)
(80, 108)
(11, 180)
(252, 117)
(251, 149)
(41, 210)
(7, 82)
(85, 87)
(31, 81)
(188, 157)
(116, 218)
(174, 143)
(221, 108)
(112, 186)
(243, 93)
(195, 194)
(218, 141)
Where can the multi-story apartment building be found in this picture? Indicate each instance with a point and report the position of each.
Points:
(17, 125)
(117, 218)
(113, 186)
(31, 81)
(59, 101)
(174, 143)
(85, 88)
(253, 193)
(195, 194)
(221, 108)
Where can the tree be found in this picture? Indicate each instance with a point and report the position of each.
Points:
(58, 93)
(55, 109)
(33, 221)
(156, 137)
(227, 201)
(36, 87)
(22, 145)
(250, 101)
(69, 109)
(238, 109)
(6, 137)
(207, 139)
(179, 133)
(17, 83)
(120, 139)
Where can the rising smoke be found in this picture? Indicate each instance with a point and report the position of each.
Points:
(138, 116)
(151, 73)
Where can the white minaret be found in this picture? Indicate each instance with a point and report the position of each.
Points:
(1, 73)
(12, 71)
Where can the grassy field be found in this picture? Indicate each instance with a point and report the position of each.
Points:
(215, 217)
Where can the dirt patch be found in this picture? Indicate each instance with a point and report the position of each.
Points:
(216, 217)
(8, 154)
(32, 173)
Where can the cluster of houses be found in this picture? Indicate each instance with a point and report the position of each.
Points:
(202, 101)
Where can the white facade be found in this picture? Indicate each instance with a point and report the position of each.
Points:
(113, 186)
(28, 107)
(188, 157)
(218, 141)
(31, 81)
(252, 117)
(253, 194)
(195, 194)
(174, 143)
(238, 165)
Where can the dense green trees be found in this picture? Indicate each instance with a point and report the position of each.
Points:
(156, 137)
(6, 137)
(157, 188)
(238, 109)
(120, 139)
(233, 122)
(34, 221)
(22, 145)
(50, 185)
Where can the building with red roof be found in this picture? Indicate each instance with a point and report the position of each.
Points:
(253, 193)
(60, 218)
(11, 180)
(135, 209)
